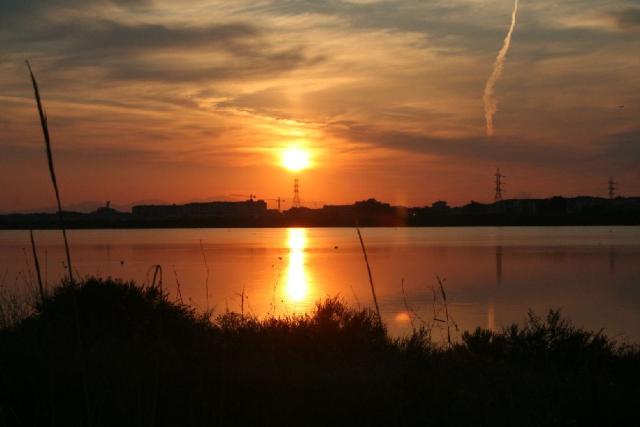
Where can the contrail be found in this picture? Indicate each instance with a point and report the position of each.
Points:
(490, 105)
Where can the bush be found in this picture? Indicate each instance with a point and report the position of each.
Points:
(106, 352)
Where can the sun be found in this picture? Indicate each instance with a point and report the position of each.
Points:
(295, 159)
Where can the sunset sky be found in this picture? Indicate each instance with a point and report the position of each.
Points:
(192, 100)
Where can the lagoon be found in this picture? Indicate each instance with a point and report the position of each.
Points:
(492, 275)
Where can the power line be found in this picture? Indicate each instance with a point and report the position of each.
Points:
(296, 193)
(612, 187)
(499, 183)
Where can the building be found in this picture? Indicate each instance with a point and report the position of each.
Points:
(248, 208)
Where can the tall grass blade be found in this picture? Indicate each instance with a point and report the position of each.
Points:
(54, 181)
(446, 308)
(157, 276)
(178, 285)
(206, 280)
(37, 266)
(366, 261)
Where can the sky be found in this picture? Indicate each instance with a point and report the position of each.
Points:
(156, 100)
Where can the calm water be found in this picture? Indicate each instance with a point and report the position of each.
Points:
(492, 275)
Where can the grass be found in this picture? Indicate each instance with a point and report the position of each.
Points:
(52, 172)
(366, 261)
(14, 307)
(148, 360)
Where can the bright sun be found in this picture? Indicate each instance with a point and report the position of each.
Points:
(295, 159)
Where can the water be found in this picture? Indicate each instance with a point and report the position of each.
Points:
(492, 276)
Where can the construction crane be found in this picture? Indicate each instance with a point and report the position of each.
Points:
(279, 201)
(251, 197)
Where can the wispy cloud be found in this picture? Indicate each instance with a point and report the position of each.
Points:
(221, 86)
(627, 19)
(490, 103)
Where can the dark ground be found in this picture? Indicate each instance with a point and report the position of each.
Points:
(107, 353)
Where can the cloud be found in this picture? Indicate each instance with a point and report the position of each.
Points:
(92, 39)
(158, 52)
(24, 15)
(103, 36)
(261, 66)
(225, 83)
(497, 150)
(627, 19)
(443, 22)
(14, 8)
(624, 147)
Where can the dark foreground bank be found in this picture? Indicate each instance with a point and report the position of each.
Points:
(106, 353)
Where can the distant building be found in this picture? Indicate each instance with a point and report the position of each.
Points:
(440, 206)
(473, 208)
(369, 206)
(338, 211)
(106, 210)
(248, 208)
(372, 206)
(516, 207)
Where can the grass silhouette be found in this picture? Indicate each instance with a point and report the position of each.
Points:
(151, 361)
(44, 122)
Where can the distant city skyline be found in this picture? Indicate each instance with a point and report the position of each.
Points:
(148, 100)
(90, 206)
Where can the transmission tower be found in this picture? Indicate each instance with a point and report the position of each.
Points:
(612, 187)
(296, 193)
(499, 184)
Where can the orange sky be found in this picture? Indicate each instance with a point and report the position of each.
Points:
(152, 101)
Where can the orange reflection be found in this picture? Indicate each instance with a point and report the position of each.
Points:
(297, 285)
(402, 317)
(491, 317)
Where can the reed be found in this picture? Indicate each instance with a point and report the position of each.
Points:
(52, 172)
(14, 306)
(28, 273)
(366, 261)
(206, 280)
(242, 298)
(413, 314)
(449, 321)
(36, 262)
(178, 286)
(76, 312)
(157, 276)
(272, 308)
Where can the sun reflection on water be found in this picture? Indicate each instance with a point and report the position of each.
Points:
(297, 285)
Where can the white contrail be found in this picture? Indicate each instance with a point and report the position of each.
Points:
(490, 104)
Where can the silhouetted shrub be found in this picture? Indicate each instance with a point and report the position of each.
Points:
(105, 353)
